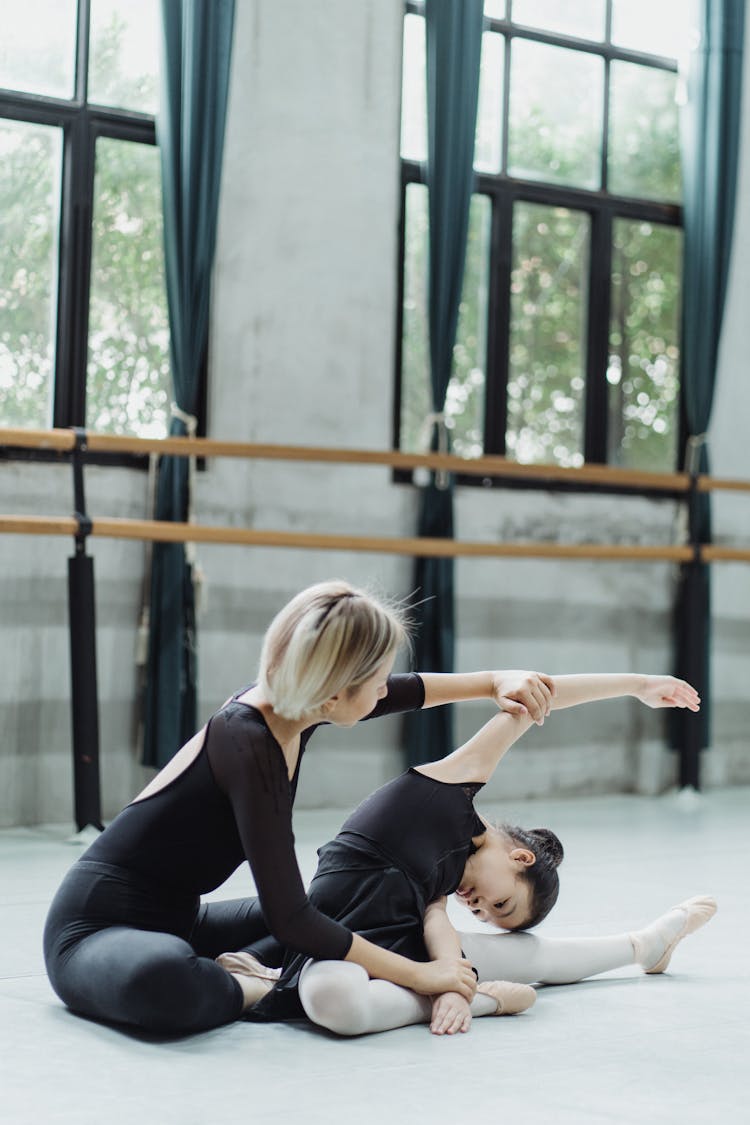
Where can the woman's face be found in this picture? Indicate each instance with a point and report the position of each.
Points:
(493, 887)
(349, 707)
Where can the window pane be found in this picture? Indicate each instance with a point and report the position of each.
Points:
(584, 18)
(644, 338)
(37, 47)
(465, 397)
(30, 161)
(127, 389)
(414, 91)
(556, 99)
(658, 29)
(124, 54)
(495, 9)
(644, 151)
(488, 144)
(549, 286)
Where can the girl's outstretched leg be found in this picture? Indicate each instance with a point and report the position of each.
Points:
(528, 958)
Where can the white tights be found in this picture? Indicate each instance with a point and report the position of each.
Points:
(340, 996)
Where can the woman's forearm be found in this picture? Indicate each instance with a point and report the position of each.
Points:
(455, 687)
(516, 691)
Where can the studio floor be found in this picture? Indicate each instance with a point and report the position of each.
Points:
(624, 1048)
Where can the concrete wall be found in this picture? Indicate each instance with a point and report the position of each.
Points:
(302, 345)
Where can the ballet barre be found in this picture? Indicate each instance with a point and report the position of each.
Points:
(161, 531)
(64, 441)
(78, 444)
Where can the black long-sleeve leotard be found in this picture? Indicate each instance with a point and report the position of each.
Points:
(146, 872)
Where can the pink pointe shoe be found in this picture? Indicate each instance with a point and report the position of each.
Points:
(511, 998)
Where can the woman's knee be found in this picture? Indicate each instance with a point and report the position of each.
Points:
(334, 995)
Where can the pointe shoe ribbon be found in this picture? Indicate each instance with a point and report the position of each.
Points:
(511, 998)
(698, 910)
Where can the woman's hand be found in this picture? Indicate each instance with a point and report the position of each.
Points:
(666, 691)
(450, 1013)
(445, 975)
(520, 693)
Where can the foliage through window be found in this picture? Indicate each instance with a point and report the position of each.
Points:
(84, 336)
(568, 340)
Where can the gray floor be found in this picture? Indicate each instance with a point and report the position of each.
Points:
(622, 1048)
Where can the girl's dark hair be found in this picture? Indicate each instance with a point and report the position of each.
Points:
(542, 875)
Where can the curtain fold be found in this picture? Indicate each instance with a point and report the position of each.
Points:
(454, 43)
(709, 138)
(197, 44)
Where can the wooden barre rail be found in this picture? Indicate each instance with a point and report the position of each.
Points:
(63, 441)
(166, 532)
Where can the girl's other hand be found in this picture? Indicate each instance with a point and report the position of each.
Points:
(450, 1014)
(446, 975)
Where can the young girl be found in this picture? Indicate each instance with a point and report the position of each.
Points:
(127, 939)
(418, 839)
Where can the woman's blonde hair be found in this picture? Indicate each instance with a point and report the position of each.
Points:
(328, 639)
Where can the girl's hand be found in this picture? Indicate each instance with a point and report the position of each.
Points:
(450, 1013)
(666, 691)
(446, 975)
(521, 693)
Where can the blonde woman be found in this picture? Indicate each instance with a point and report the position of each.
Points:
(127, 939)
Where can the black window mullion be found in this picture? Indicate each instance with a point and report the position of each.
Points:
(498, 329)
(74, 273)
(82, 51)
(399, 334)
(597, 337)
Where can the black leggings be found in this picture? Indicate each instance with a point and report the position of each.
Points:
(120, 949)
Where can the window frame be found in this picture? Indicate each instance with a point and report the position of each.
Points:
(82, 124)
(602, 207)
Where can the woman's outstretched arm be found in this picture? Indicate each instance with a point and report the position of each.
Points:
(477, 759)
(516, 691)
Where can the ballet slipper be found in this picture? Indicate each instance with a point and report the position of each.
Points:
(698, 911)
(242, 964)
(511, 998)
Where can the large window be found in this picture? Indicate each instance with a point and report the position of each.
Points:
(567, 345)
(84, 336)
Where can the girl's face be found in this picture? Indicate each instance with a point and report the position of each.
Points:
(348, 708)
(493, 887)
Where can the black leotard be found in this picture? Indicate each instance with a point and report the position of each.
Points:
(403, 847)
(129, 909)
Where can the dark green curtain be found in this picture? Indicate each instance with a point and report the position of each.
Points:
(710, 145)
(197, 44)
(454, 43)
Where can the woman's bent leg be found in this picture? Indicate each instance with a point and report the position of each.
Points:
(153, 981)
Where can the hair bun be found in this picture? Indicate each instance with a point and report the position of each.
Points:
(549, 844)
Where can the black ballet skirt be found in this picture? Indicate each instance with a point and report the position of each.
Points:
(405, 846)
